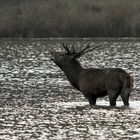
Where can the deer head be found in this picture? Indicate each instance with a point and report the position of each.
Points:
(70, 54)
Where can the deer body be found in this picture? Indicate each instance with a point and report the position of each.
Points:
(95, 83)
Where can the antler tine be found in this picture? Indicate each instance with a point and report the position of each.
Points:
(73, 49)
(93, 48)
(65, 46)
(83, 50)
(82, 46)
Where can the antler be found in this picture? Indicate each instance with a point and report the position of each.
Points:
(73, 49)
(83, 50)
(69, 51)
(65, 46)
(86, 49)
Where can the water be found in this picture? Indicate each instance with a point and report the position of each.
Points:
(37, 101)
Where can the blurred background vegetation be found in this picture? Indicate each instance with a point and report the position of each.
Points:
(69, 18)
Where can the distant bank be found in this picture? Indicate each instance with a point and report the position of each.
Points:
(74, 18)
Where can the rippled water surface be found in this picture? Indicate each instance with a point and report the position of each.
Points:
(37, 101)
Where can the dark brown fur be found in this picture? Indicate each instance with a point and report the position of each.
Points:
(95, 83)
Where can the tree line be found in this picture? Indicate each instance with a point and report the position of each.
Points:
(74, 18)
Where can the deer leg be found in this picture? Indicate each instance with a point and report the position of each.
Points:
(113, 97)
(91, 99)
(125, 97)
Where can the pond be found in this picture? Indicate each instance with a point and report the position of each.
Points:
(37, 101)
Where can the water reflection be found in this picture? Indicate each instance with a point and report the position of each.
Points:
(37, 101)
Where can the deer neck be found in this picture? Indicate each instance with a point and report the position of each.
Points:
(72, 70)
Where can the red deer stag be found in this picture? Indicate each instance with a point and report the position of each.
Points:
(93, 82)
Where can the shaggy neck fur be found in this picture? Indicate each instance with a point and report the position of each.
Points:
(72, 70)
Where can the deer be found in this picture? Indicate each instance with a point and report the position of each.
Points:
(93, 82)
